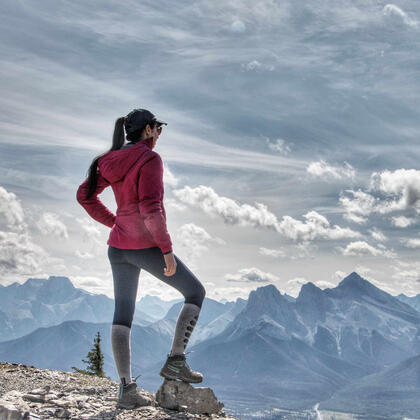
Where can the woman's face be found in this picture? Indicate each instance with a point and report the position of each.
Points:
(152, 132)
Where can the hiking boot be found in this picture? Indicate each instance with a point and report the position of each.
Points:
(176, 367)
(130, 396)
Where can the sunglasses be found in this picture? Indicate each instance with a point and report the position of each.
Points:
(159, 129)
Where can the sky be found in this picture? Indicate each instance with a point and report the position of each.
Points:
(291, 152)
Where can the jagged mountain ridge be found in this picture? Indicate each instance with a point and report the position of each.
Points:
(47, 302)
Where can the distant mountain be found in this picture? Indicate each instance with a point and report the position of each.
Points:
(392, 392)
(274, 350)
(299, 353)
(213, 319)
(47, 302)
(156, 307)
(65, 345)
(413, 301)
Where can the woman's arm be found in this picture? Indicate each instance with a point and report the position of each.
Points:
(94, 206)
(150, 191)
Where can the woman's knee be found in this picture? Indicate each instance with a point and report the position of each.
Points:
(124, 312)
(198, 297)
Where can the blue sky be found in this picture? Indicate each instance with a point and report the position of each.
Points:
(291, 152)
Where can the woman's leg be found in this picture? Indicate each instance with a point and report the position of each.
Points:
(125, 277)
(152, 260)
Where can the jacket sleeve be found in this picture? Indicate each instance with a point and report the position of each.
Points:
(94, 206)
(151, 191)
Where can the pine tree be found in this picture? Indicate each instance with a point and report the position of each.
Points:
(95, 360)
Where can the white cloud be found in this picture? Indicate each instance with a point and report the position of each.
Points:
(276, 253)
(168, 177)
(393, 10)
(84, 255)
(238, 26)
(362, 248)
(362, 204)
(338, 276)
(377, 235)
(402, 221)
(255, 65)
(279, 146)
(294, 285)
(411, 243)
(11, 211)
(19, 255)
(90, 228)
(195, 239)
(174, 204)
(402, 185)
(231, 212)
(49, 224)
(322, 169)
(316, 226)
(252, 274)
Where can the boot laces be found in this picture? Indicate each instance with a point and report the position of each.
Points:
(135, 379)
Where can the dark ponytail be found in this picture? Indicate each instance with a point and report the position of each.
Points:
(117, 142)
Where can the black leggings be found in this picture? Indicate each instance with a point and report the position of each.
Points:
(126, 265)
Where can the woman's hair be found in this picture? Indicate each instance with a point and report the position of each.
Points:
(117, 143)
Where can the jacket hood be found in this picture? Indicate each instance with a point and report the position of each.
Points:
(115, 164)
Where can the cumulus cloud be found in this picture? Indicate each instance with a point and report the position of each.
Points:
(393, 10)
(232, 213)
(323, 169)
(252, 274)
(377, 235)
(338, 276)
(411, 243)
(174, 204)
(401, 185)
(294, 285)
(315, 226)
(50, 224)
(397, 190)
(168, 177)
(402, 221)
(11, 211)
(19, 255)
(90, 228)
(196, 239)
(358, 206)
(362, 248)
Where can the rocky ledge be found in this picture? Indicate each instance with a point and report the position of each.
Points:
(30, 393)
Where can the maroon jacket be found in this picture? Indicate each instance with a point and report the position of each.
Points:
(135, 173)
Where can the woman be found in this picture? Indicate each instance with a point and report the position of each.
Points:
(139, 239)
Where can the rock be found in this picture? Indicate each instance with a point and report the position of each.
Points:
(9, 411)
(197, 400)
(28, 393)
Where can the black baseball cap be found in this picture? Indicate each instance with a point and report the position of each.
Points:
(138, 118)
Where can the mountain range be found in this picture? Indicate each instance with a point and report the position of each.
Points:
(272, 350)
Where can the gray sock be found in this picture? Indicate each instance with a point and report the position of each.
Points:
(120, 338)
(187, 319)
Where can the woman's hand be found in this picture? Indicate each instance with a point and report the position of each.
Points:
(170, 264)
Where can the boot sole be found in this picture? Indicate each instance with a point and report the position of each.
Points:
(175, 377)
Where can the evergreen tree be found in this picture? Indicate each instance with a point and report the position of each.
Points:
(95, 360)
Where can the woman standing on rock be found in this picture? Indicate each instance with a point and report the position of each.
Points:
(139, 239)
